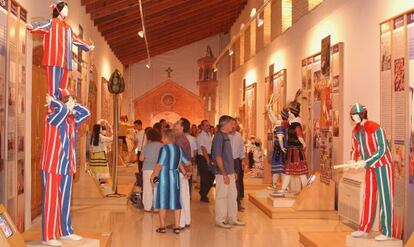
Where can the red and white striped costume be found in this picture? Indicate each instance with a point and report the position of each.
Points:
(58, 166)
(57, 57)
(369, 142)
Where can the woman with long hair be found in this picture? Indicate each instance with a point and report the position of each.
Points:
(100, 139)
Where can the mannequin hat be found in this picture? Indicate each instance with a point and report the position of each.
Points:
(294, 108)
(357, 108)
(64, 93)
(284, 113)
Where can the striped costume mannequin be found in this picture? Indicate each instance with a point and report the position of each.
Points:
(369, 143)
(57, 57)
(58, 165)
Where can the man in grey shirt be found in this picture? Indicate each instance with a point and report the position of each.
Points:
(226, 192)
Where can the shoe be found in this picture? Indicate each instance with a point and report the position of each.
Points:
(52, 242)
(223, 225)
(359, 234)
(187, 226)
(204, 199)
(240, 208)
(237, 223)
(271, 188)
(281, 191)
(73, 237)
(382, 238)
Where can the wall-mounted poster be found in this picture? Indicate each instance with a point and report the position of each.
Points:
(251, 110)
(399, 73)
(326, 56)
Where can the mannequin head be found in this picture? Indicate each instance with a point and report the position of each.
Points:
(358, 113)
(60, 9)
(294, 108)
(284, 114)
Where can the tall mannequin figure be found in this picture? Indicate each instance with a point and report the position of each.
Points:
(280, 142)
(295, 157)
(369, 143)
(58, 41)
(58, 164)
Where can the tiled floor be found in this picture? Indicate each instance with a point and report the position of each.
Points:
(132, 227)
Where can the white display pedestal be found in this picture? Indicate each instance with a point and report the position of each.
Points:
(86, 242)
(370, 242)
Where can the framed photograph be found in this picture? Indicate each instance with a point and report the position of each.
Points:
(251, 102)
(9, 230)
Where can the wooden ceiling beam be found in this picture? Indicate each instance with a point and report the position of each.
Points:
(85, 2)
(136, 57)
(156, 47)
(200, 21)
(169, 16)
(116, 6)
(169, 37)
(150, 8)
(133, 17)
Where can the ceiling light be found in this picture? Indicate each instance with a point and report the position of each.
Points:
(242, 26)
(231, 52)
(141, 34)
(215, 69)
(148, 65)
(259, 21)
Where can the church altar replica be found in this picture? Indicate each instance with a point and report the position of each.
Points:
(58, 156)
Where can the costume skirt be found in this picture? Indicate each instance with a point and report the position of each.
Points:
(98, 165)
(278, 161)
(296, 162)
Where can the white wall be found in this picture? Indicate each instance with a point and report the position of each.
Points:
(105, 63)
(183, 61)
(354, 22)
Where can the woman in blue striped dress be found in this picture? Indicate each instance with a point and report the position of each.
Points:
(169, 165)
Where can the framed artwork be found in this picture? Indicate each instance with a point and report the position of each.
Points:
(8, 230)
(250, 109)
(107, 102)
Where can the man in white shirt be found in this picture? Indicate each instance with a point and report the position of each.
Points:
(193, 144)
(139, 140)
(204, 141)
(237, 145)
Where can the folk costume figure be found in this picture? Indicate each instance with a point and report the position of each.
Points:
(58, 164)
(370, 144)
(279, 142)
(295, 163)
(58, 41)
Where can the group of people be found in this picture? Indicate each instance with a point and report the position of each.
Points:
(166, 157)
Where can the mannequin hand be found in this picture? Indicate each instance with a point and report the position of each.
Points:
(360, 164)
(283, 149)
(48, 99)
(303, 146)
(92, 47)
(226, 179)
(29, 26)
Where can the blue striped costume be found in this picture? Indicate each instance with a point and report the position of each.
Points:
(168, 190)
(278, 156)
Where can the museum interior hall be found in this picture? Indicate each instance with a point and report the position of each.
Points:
(127, 123)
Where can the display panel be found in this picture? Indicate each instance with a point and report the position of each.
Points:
(321, 101)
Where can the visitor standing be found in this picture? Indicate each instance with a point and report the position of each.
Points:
(181, 127)
(237, 145)
(166, 175)
(149, 157)
(204, 140)
(139, 140)
(223, 164)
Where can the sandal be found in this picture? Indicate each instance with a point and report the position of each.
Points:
(161, 230)
(176, 230)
